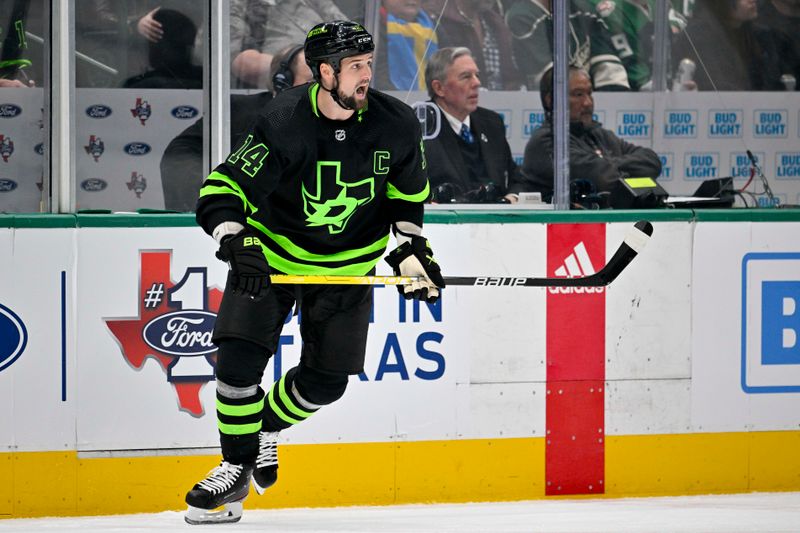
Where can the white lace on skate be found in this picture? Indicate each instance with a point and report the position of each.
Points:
(267, 449)
(221, 478)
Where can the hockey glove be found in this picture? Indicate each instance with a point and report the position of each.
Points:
(249, 270)
(415, 258)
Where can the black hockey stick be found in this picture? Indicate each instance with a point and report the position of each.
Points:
(634, 242)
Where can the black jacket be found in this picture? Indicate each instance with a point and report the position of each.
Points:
(595, 154)
(446, 163)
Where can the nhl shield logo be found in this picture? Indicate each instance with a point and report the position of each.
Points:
(339, 135)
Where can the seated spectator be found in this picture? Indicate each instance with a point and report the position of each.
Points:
(591, 48)
(735, 54)
(476, 24)
(630, 23)
(782, 19)
(259, 28)
(170, 56)
(469, 160)
(182, 163)
(289, 69)
(596, 154)
(407, 41)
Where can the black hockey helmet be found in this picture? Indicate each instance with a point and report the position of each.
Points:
(330, 42)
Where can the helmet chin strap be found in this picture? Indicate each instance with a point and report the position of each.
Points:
(335, 93)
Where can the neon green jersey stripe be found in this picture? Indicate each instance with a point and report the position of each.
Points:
(290, 267)
(277, 410)
(237, 190)
(239, 429)
(393, 193)
(240, 410)
(305, 255)
(288, 401)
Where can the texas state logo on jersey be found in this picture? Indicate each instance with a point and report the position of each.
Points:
(174, 326)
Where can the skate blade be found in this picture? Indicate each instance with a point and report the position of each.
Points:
(227, 514)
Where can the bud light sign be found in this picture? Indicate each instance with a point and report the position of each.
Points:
(680, 124)
(634, 124)
(770, 323)
(667, 161)
(740, 164)
(13, 337)
(725, 124)
(533, 121)
(770, 123)
(787, 165)
(701, 165)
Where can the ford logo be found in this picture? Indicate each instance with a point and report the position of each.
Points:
(39, 148)
(98, 111)
(9, 110)
(186, 333)
(184, 112)
(13, 337)
(93, 185)
(7, 185)
(137, 148)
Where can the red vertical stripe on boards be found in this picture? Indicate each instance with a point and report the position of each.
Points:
(575, 451)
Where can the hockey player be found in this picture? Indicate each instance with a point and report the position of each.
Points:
(326, 171)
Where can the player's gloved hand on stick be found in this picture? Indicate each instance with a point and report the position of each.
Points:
(415, 258)
(249, 270)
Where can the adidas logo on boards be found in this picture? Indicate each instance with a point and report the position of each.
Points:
(576, 264)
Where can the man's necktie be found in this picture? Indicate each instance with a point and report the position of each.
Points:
(466, 134)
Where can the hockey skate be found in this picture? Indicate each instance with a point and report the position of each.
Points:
(225, 486)
(266, 471)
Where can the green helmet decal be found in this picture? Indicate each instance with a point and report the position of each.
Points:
(334, 206)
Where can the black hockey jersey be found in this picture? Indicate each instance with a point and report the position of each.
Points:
(322, 192)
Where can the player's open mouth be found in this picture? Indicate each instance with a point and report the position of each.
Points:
(361, 90)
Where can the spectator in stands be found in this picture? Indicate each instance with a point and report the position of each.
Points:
(531, 25)
(630, 23)
(407, 40)
(170, 56)
(782, 19)
(289, 69)
(182, 162)
(469, 160)
(259, 28)
(735, 53)
(477, 25)
(595, 154)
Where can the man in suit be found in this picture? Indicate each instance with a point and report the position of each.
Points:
(469, 160)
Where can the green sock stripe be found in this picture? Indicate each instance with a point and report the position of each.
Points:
(239, 429)
(277, 410)
(240, 410)
(287, 400)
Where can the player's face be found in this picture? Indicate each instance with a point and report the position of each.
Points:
(355, 73)
(459, 92)
(581, 102)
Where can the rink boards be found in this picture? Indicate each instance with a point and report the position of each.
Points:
(681, 377)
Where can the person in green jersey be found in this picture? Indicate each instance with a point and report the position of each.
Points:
(326, 172)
